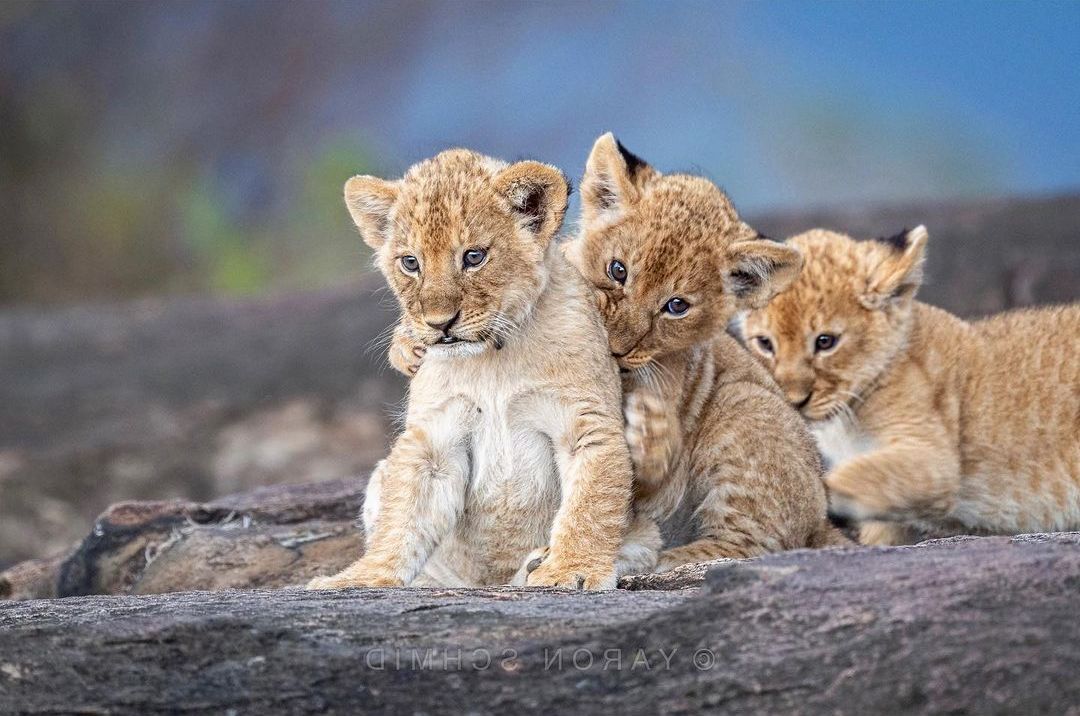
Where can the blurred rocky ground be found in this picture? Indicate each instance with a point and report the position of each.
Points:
(196, 398)
(192, 398)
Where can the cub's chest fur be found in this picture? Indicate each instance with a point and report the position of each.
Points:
(841, 439)
(513, 453)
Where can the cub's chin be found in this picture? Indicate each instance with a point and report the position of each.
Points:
(457, 349)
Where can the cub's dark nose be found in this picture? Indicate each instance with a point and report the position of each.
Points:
(441, 324)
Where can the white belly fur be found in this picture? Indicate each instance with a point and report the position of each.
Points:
(840, 440)
(511, 501)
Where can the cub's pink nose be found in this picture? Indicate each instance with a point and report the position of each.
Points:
(442, 323)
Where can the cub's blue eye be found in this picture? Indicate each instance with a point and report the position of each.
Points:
(825, 342)
(616, 271)
(764, 344)
(410, 264)
(474, 257)
(677, 306)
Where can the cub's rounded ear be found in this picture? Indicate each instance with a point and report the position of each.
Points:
(536, 194)
(899, 275)
(614, 178)
(758, 269)
(369, 200)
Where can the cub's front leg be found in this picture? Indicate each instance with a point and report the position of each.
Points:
(911, 479)
(596, 479)
(420, 495)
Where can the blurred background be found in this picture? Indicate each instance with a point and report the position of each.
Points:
(186, 310)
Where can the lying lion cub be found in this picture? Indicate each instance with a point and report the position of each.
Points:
(931, 425)
(514, 435)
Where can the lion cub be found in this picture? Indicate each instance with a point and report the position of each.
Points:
(720, 458)
(514, 435)
(931, 425)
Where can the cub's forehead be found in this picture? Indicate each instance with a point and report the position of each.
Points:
(681, 201)
(797, 313)
(452, 179)
(666, 256)
(835, 262)
(446, 197)
(683, 228)
(827, 289)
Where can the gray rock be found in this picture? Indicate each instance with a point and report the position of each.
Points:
(975, 625)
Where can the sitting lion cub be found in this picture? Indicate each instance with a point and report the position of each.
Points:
(931, 425)
(721, 461)
(514, 435)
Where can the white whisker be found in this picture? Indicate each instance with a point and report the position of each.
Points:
(382, 340)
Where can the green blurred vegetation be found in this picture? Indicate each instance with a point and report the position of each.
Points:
(154, 229)
(315, 245)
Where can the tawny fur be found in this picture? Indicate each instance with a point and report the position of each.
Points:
(932, 425)
(711, 436)
(514, 436)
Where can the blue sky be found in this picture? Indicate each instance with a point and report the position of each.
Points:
(784, 103)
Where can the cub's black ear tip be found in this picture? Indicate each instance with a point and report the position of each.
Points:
(633, 161)
(898, 241)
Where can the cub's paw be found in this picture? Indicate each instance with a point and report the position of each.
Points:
(325, 583)
(649, 434)
(859, 494)
(553, 574)
(887, 534)
(534, 560)
(668, 562)
(406, 356)
(848, 503)
(355, 578)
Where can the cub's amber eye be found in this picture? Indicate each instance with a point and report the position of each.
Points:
(616, 271)
(474, 257)
(676, 306)
(410, 264)
(825, 342)
(764, 344)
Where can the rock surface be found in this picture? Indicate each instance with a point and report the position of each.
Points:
(966, 625)
(271, 537)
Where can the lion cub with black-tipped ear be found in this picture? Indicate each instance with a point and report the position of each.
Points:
(931, 425)
(720, 458)
(513, 439)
